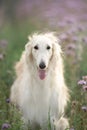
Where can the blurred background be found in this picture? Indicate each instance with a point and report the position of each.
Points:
(20, 18)
(43, 13)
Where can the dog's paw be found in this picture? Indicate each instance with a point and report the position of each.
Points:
(61, 124)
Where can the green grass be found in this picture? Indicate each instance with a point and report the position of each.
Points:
(16, 36)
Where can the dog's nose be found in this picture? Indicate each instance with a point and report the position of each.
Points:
(42, 65)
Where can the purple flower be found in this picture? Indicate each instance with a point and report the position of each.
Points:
(70, 53)
(71, 46)
(72, 128)
(3, 43)
(70, 20)
(80, 28)
(81, 82)
(84, 108)
(63, 37)
(62, 24)
(74, 39)
(8, 100)
(6, 126)
(84, 40)
(73, 31)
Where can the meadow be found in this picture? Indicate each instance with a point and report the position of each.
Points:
(73, 36)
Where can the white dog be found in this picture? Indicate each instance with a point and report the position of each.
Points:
(39, 89)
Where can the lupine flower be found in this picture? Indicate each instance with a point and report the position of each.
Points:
(84, 108)
(6, 126)
(81, 82)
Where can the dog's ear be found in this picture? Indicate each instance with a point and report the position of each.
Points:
(56, 55)
(28, 47)
(57, 49)
(28, 50)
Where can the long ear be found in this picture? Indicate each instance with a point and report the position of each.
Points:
(28, 50)
(57, 57)
(28, 46)
(57, 49)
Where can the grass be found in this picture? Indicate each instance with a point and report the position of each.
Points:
(16, 36)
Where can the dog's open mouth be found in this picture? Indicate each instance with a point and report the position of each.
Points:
(42, 74)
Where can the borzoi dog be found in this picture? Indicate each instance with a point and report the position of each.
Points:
(39, 89)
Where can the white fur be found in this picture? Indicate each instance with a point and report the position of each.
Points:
(38, 98)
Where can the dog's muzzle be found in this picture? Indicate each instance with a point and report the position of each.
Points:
(42, 65)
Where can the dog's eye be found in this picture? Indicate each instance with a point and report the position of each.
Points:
(48, 47)
(36, 47)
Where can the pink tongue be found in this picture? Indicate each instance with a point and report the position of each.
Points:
(42, 74)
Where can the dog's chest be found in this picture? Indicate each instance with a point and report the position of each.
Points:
(37, 108)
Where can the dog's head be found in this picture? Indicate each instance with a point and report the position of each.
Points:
(43, 50)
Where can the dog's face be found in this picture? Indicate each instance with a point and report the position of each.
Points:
(42, 51)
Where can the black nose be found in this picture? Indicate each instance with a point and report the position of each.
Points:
(42, 65)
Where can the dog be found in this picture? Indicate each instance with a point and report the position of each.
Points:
(39, 89)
